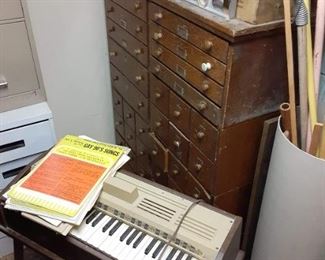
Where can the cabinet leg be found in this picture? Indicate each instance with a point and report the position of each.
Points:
(18, 250)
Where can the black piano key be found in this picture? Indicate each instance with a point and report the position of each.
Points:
(99, 218)
(116, 226)
(171, 254)
(92, 216)
(150, 246)
(180, 256)
(158, 249)
(188, 257)
(138, 241)
(108, 224)
(126, 233)
(133, 235)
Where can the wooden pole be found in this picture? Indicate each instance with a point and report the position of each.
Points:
(285, 118)
(316, 138)
(291, 83)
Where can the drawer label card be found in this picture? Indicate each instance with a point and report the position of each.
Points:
(123, 24)
(181, 51)
(180, 71)
(182, 31)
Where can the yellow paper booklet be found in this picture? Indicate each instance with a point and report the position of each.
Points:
(67, 175)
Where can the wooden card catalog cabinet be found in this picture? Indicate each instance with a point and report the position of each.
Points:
(207, 85)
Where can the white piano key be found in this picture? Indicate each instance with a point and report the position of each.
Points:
(86, 235)
(76, 231)
(149, 255)
(142, 246)
(176, 254)
(110, 240)
(126, 252)
(134, 250)
(98, 235)
(166, 253)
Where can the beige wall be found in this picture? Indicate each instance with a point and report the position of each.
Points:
(71, 42)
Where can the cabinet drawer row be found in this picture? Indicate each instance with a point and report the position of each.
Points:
(138, 7)
(132, 45)
(129, 22)
(190, 32)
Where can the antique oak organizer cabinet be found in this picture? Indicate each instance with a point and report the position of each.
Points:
(191, 92)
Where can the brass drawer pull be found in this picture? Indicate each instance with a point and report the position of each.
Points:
(198, 166)
(141, 130)
(200, 135)
(207, 45)
(205, 66)
(202, 105)
(177, 143)
(157, 174)
(115, 78)
(196, 195)
(137, 6)
(158, 52)
(157, 95)
(157, 35)
(111, 29)
(117, 102)
(112, 53)
(158, 16)
(129, 137)
(111, 9)
(176, 113)
(157, 68)
(175, 172)
(138, 51)
(129, 115)
(154, 152)
(118, 123)
(138, 29)
(158, 124)
(205, 87)
(140, 104)
(138, 78)
(141, 153)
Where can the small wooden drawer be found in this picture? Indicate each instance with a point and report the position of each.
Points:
(127, 21)
(205, 63)
(132, 69)
(141, 128)
(201, 168)
(128, 115)
(129, 92)
(138, 7)
(194, 189)
(207, 108)
(143, 162)
(179, 112)
(183, 69)
(158, 153)
(176, 170)
(159, 175)
(130, 137)
(159, 95)
(133, 46)
(159, 125)
(117, 102)
(204, 135)
(119, 123)
(178, 144)
(202, 39)
(119, 139)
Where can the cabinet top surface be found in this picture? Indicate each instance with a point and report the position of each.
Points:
(229, 29)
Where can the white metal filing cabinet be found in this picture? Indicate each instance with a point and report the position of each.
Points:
(24, 134)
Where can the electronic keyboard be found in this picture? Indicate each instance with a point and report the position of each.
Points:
(136, 219)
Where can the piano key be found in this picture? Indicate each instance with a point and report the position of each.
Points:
(171, 254)
(150, 246)
(138, 241)
(108, 224)
(112, 240)
(180, 255)
(142, 246)
(113, 229)
(149, 255)
(166, 253)
(99, 235)
(158, 249)
(126, 233)
(92, 229)
(98, 219)
(92, 216)
(127, 252)
(132, 236)
(188, 257)
(78, 229)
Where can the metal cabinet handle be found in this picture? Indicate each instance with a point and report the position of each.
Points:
(157, 35)
(202, 105)
(137, 6)
(158, 16)
(157, 95)
(138, 51)
(198, 166)
(207, 45)
(138, 78)
(205, 87)
(200, 135)
(177, 113)
(175, 172)
(177, 143)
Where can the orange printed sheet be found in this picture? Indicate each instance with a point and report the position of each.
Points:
(65, 178)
